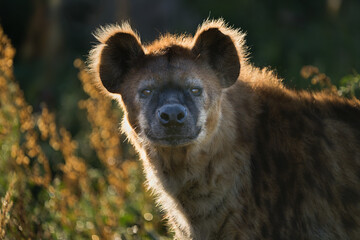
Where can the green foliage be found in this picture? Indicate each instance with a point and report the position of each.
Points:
(350, 85)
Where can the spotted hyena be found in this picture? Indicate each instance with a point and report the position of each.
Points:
(229, 151)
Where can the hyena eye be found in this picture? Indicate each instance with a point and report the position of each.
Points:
(196, 91)
(146, 92)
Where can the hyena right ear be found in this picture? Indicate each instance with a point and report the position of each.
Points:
(116, 58)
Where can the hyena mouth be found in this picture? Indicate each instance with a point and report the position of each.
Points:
(173, 140)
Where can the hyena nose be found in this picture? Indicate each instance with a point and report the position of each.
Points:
(172, 114)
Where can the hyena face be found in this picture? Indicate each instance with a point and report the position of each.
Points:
(170, 93)
(171, 106)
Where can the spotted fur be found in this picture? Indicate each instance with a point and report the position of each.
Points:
(269, 162)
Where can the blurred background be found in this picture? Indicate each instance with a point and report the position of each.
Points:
(52, 122)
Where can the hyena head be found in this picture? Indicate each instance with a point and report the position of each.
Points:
(171, 89)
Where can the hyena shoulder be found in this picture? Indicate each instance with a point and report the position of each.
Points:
(229, 152)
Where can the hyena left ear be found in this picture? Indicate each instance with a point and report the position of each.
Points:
(219, 51)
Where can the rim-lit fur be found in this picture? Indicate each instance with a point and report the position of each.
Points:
(271, 163)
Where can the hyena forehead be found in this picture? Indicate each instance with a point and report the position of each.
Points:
(182, 82)
(181, 73)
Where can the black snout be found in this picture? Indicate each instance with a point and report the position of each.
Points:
(172, 114)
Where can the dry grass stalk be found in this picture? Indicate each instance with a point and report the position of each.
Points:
(6, 205)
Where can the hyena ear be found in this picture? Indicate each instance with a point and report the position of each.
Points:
(117, 57)
(220, 53)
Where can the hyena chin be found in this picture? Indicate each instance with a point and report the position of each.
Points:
(229, 151)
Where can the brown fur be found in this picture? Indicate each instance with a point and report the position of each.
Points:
(271, 163)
